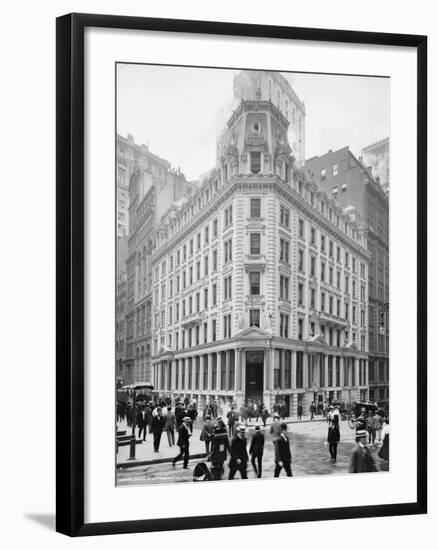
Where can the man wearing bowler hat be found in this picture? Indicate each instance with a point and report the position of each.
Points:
(362, 459)
(239, 454)
(283, 456)
(183, 442)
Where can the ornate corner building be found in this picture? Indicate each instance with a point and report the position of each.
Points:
(258, 279)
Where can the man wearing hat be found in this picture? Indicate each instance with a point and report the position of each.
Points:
(207, 432)
(256, 450)
(220, 446)
(362, 459)
(157, 426)
(275, 427)
(239, 454)
(283, 456)
(183, 443)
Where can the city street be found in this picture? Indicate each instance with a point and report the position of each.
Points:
(310, 456)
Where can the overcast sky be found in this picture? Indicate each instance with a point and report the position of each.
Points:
(178, 111)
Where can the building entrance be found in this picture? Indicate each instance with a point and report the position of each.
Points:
(254, 376)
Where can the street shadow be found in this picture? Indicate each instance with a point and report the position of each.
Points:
(46, 520)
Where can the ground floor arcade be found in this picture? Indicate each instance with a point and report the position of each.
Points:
(259, 367)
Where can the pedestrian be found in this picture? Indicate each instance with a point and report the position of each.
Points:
(275, 427)
(141, 422)
(283, 455)
(312, 410)
(232, 418)
(384, 449)
(377, 426)
(157, 428)
(220, 447)
(369, 426)
(299, 412)
(169, 426)
(265, 415)
(239, 454)
(193, 414)
(183, 443)
(361, 459)
(361, 421)
(333, 438)
(206, 433)
(256, 450)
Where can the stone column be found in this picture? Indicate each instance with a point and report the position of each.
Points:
(218, 370)
(282, 368)
(238, 370)
(248, 168)
(227, 370)
(209, 370)
(326, 380)
(293, 358)
(341, 381)
(174, 366)
(305, 370)
(356, 367)
(262, 162)
(243, 371)
(186, 370)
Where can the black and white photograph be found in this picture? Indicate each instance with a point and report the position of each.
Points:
(252, 274)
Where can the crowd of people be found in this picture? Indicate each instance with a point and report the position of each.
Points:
(224, 434)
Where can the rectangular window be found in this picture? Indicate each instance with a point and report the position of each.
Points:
(254, 283)
(228, 253)
(205, 333)
(300, 329)
(206, 235)
(198, 270)
(213, 332)
(205, 266)
(323, 173)
(228, 216)
(331, 249)
(346, 284)
(190, 275)
(284, 325)
(227, 288)
(300, 294)
(215, 227)
(254, 317)
(256, 163)
(284, 251)
(301, 229)
(300, 260)
(331, 305)
(322, 301)
(198, 241)
(322, 271)
(284, 287)
(312, 235)
(214, 291)
(214, 261)
(323, 243)
(255, 208)
(335, 169)
(330, 276)
(254, 243)
(284, 216)
(312, 298)
(191, 247)
(312, 266)
(205, 298)
(198, 301)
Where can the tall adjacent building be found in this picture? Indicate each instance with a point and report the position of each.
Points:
(153, 188)
(260, 279)
(351, 182)
(376, 157)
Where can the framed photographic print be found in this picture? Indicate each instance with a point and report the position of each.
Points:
(241, 263)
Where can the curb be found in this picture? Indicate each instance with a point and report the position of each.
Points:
(134, 463)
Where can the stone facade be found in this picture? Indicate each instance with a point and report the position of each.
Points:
(351, 182)
(260, 279)
(376, 157)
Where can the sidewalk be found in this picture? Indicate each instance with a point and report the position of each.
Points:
(145, 455)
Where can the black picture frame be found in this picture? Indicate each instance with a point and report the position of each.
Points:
(70, 272)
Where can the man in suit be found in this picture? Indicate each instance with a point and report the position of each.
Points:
(207, 432)
(220, 447)
(142, 422)
(283, 456)
(362, 459)
(256, 450)
(169, 426)
(183, 443)
(239, 454)
(333, 437)
(157, 428)
(232, 418)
